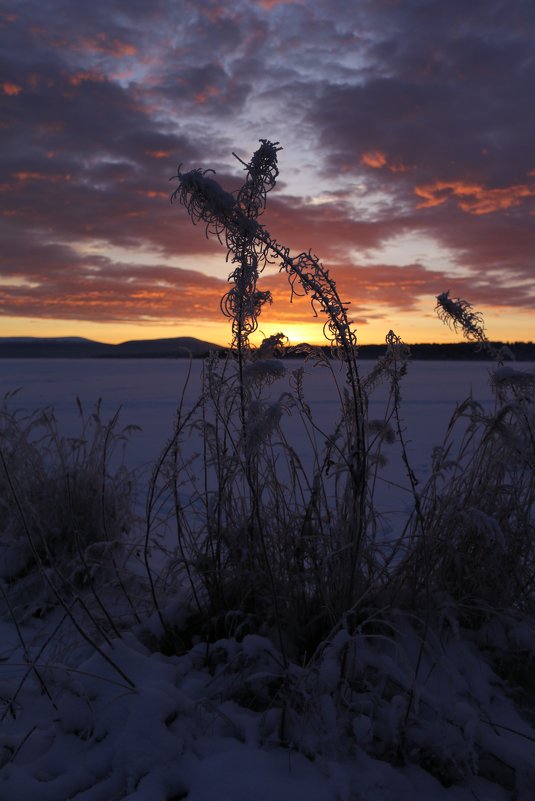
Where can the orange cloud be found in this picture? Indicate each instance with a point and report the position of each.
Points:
(375, 159)
(269, 4)
(41, 176)
(123, 48)
(398, 166)
(472, 198)
(11, 89)
(85, 75)
(158, 154)
(210, 91)
(111, 298)
(101, 43)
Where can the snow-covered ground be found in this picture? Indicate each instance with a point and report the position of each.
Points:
(125, 721)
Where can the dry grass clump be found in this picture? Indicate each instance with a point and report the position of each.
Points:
(475, 541)
(471, 539)
(66, 504)
(264, 537)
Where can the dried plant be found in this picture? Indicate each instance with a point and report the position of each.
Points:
(459, 314)
(66, 512)
(471, 539)
(233, 219)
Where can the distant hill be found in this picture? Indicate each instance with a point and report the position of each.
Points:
(79, 348)
(184, 347)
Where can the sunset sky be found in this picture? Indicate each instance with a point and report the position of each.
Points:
(408, 167)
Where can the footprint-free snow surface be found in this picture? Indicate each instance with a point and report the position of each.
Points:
(399, 708)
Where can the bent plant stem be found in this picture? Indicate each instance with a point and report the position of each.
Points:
(53, 434)
(323, 291)
(109, 431)
(276, 606)
(87, 571)
(181, 423)
(179, 529)
(241, 340)
(27, 656)
(421, 523)
(327, 296)
(66, 607)
(34, 664)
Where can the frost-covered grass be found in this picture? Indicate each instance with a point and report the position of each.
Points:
(236, 670)
(66, 517)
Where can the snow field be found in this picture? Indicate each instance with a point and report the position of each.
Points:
(379, 711)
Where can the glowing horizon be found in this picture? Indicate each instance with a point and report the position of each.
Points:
(432, 331)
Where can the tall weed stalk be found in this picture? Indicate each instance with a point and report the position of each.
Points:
(272, 534)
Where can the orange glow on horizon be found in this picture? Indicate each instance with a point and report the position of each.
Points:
(420, 325)
(159, 302)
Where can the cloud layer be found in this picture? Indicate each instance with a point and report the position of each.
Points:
(400, 121)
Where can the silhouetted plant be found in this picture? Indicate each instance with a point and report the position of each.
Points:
(471, 538)
(233, 219)
(460, 314)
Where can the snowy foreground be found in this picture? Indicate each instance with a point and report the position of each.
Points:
(382, 714)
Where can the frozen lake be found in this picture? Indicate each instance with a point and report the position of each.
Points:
(148, 392)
